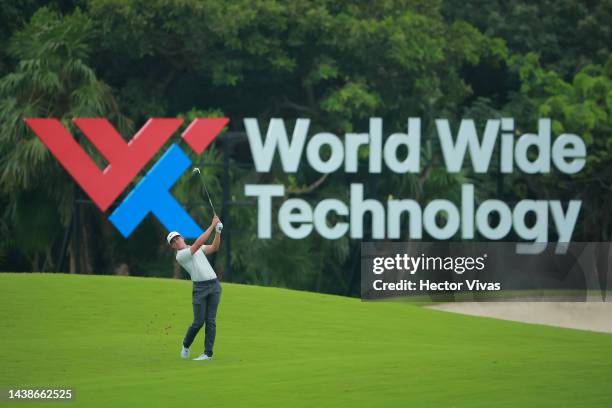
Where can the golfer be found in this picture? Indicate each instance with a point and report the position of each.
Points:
(206, 292)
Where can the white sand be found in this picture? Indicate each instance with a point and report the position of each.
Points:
(593, 316)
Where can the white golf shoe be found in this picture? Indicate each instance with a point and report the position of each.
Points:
(202, 358)
(185, 352)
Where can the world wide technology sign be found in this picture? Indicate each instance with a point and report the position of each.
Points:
(298, 218)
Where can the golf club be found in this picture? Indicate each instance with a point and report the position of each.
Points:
(219, 226)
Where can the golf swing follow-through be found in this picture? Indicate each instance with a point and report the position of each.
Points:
(206, 293)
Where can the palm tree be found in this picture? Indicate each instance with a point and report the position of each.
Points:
(51, 78)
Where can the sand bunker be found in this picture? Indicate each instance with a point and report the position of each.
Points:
(593, 316)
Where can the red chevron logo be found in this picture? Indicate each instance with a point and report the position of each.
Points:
(125, 159)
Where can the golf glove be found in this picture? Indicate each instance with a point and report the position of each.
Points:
(219, 228)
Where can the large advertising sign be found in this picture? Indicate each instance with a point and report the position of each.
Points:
(297, 218)
(533, 153)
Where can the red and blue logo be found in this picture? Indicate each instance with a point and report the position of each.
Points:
(125, 160)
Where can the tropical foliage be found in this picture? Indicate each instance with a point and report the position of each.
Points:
(338, 63)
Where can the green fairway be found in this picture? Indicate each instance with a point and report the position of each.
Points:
(116, 342)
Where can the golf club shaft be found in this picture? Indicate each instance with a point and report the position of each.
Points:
(205, 189)
(209, 200)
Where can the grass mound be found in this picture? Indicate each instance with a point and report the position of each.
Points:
(115, 341)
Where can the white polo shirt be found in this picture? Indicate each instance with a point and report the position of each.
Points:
(196, 265)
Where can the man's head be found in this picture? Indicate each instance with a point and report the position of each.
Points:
(175, 240)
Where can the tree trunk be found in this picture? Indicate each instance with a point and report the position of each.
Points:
(86, 266)
(176, 270)
(72, 257)
(35, 263)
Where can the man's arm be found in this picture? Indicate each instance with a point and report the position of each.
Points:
(215, 245)
(202, 238)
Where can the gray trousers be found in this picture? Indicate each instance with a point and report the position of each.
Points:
(205, 298)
